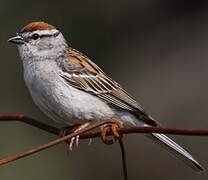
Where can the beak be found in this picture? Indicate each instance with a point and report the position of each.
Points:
(16, 39)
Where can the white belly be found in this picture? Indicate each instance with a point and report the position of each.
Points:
(60, 101)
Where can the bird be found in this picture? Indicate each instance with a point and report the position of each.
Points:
(70, 88)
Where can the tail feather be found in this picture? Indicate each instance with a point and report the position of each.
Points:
(176, 150)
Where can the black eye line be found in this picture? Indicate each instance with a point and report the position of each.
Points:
(47, 35)
(40, 36)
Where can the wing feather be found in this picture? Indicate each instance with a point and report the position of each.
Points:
(85, 75)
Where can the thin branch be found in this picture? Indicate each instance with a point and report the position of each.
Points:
(93, 134)
(52, 143)
(158, 129)
(30, 121)
(50, 129)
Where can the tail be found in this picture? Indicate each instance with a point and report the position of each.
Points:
(176, 150)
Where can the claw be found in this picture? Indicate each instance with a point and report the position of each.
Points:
(111, 128)
(71, 144)
(75, 140)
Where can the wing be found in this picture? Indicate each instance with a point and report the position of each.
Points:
(85, 75)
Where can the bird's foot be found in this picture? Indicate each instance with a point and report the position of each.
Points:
(114, 129)
(66, 130)
(75, 140)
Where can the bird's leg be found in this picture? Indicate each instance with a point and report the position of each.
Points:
(66, 130)
(111, 128)
(75, 140)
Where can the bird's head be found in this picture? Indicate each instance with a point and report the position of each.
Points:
(39, 39)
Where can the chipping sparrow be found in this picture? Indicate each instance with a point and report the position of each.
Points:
(69, 87)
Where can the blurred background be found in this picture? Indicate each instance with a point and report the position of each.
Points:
(156, 49)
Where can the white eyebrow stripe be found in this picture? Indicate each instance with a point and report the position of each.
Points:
(46, 32)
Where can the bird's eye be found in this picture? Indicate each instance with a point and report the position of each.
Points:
(35, 36)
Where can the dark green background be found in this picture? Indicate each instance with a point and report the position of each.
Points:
(156, 49)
